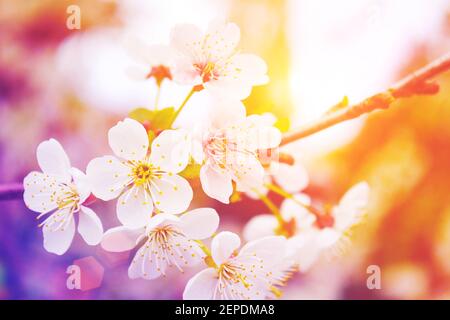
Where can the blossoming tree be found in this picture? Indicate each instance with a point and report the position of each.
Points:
(153, 162)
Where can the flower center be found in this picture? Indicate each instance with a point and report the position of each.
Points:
(231, 272)
(69, 198)
(142, 173)
(206, 71)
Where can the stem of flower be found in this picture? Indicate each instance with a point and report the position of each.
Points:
(272, 207)
(417, 83)
(182, 105)
(11, 191)
(158, 93)
(287, 195)
(204, 248)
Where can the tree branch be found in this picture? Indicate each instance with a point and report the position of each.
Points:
(11, 191)
(417, 83)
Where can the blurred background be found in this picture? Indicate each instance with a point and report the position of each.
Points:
(72, 85)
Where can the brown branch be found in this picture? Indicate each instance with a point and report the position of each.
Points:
(418, 83)
(11, 191)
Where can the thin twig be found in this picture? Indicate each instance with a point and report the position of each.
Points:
(417, 83)
(11, 191)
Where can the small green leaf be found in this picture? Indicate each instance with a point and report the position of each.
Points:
(192, 171)
(142, 115)
(162, 119)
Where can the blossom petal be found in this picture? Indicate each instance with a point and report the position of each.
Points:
(89, 226)
(53, 159)
(201, 286)
(170, 151)
(108, 176)
(291, 209)
(134, 207)
(223, 245)
(248, 171)
(144, 265)
(216, 185)
(200, 223)
(129, 140)
(271, 249)
(121, 239)
(59, 231)
(292, 178)
(249, 68)
(226, 113)
(304, 249)
(352, 206)
(82, 183)
(260, 226)
(39, 194)
(171, 193)
(221, 40)
(187, 39)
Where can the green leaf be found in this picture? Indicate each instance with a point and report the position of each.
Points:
(192, 171)
(142, 115)
(162, 119)
(154, 120)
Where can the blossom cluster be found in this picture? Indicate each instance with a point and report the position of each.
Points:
(150, 169)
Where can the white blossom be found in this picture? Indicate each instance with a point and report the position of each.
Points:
(251, 273)
(212, 60)
(168, 241)
(143, 179)
(60, 191)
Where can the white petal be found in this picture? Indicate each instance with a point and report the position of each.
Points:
(271, 249)
(171, 193)
(144, 265)
(82, 184)
(292, 178)
(260, 226)
(226, 113)
(161, 219)
(39, 191)
(216, 185)
(187, 39)
(201, 286)
(305, 250)
(223, 245)
(352, 206)
(121, 239)
(53, 159)
(221, 40)
(89, 226)
(108, 176)
(248, 171)
(259, 134)
(134, 208)
(170, 151)
(249, 68)
(58, 232)
(292, 209)
(129, 140)
(328, 237)
(200, 223)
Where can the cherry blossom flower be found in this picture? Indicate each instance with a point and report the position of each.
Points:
(142, 179)
(228, 150)
(168, 241)
(251, 273)
(292, 178)
(309, 234)
(212, 61)
(60, 191)
(153, 61)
